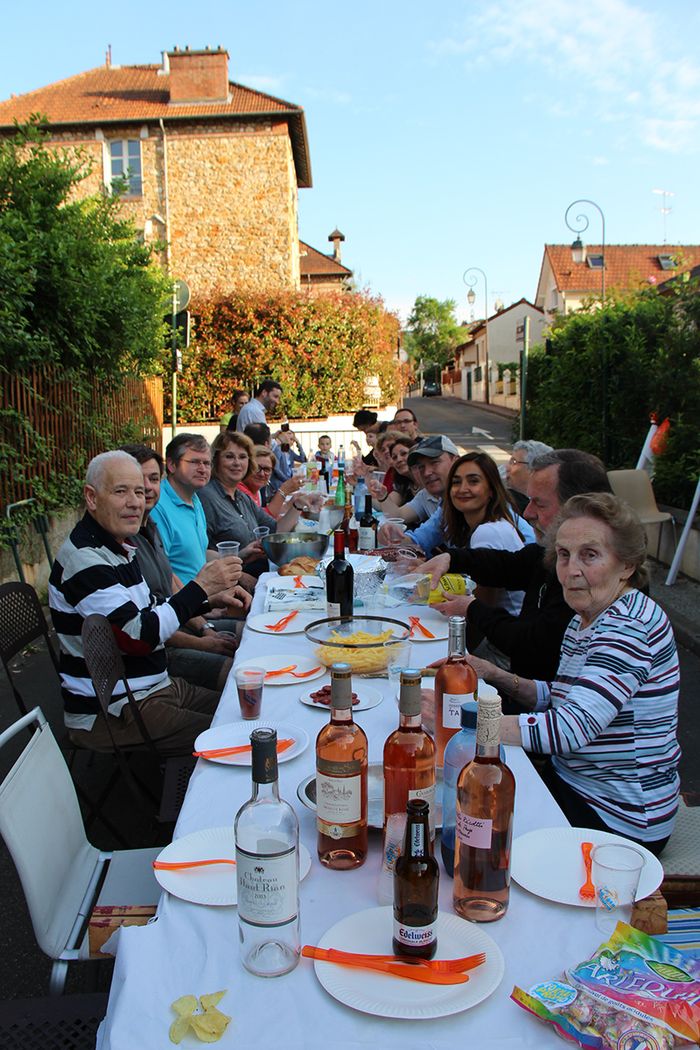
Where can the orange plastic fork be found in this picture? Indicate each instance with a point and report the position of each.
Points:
(415, 622)
(298, 582)
(396, 969)
(166, 865)
(469, 962)
(281, 670)
(587, 891)
(241, 749)
(281, 624)
(305, 674)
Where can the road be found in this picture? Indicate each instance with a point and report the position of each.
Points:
(467, 426)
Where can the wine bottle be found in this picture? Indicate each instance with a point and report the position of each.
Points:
(348, 524)
(367, 532)
(455, 682)
(266, 831)
(416, 883)
(409, 772)
(339, 579)
(341, 780)
(484, 826)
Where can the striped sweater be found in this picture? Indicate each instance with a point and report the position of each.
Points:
(93, 573)
(612, 717)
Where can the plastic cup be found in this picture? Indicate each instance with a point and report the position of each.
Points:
(398, 523)
(399, 659)
(227, 548)
(615, 871)
(249, 682)
(261, 531)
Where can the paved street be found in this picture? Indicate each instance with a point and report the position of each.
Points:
(24, 971)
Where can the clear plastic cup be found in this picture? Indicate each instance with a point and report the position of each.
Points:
(399, 659)
(398, 523)
(227, 548)
(261, 531)
(615, 870)
(249, 682)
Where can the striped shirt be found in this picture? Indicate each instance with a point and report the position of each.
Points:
(612, 717)
(93, 573)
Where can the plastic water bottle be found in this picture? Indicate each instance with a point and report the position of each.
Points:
(341, 458)
(359, 497)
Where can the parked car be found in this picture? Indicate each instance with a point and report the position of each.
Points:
(431, 389)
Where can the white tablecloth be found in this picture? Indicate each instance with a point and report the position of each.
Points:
(192, 949)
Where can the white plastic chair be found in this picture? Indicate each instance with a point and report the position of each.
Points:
(634, 487)
(61, 873)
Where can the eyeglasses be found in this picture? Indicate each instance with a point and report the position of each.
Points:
(197, 462)
(264, 470)
(515, 462)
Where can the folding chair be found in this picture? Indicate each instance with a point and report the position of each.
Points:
(66, 1023)
(106, 668)
(63, 876)
(634, 487)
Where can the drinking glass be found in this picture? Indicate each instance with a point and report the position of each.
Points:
(399, 659)
(261, 531)
(249, 682)
(227, 548)
(616, 870)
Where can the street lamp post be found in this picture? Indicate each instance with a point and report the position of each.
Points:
(470, 279)
(577, 251)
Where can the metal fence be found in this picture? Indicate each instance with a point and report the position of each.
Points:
(44, 423)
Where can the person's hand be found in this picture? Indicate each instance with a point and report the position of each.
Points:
(392, 535)
(376, 489)
(222, 642)
(427, 708)
(437, 567)
(359, 468)
(315, 501)
(220, 574)
(235, 601)
(455, 606)
(290, 486)
(252, 551)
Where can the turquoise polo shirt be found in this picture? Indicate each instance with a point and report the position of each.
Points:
(183, 530)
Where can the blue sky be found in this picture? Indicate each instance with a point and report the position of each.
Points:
(442, 136)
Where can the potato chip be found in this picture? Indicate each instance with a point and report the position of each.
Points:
(208, 1026)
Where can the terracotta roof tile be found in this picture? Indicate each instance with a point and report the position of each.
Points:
(121, 94)
(627, 266)
(313, 263)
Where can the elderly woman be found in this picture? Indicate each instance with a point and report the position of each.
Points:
(258, 476)
(230, 514)
(609, 719)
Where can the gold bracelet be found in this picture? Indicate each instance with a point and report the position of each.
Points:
(516, 685)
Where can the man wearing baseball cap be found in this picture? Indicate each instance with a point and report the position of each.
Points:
(432, 458)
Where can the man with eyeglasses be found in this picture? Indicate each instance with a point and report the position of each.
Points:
(406, 422)
(519, 469)
(179, 514)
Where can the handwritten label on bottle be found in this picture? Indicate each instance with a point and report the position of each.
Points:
(267, 887)
(474, 831)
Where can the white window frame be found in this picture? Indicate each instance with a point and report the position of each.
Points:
(127, 154)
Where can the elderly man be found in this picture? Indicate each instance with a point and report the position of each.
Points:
(97, 571)
(432, 458)
(201, 651)
(519, 468)
(406, 422)
(532, 639)
(267, 396)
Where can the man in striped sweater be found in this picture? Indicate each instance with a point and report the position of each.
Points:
(96, 571)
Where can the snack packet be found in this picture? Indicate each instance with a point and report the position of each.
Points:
(634, 993)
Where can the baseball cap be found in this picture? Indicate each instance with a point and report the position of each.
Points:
(431, 448)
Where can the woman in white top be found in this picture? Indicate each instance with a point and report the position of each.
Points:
(477, 512)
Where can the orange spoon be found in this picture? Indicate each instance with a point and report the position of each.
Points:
(587, 891)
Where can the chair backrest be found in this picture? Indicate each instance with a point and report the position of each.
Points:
(21, 623)
(106, 669)
(42, 826)
(634, 486)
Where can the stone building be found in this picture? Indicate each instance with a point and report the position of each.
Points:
(324, 274)
(209, 167)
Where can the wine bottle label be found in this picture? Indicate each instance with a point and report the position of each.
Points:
(474, 831)
(338, 801)
(333, 608)
(414, 936)
(366, 539)
(452, 708)
(427, 794)
(267, 887)
(488, 723)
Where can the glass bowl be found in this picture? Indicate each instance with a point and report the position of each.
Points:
(367, 643)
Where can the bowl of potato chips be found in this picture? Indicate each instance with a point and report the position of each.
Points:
(367, 643)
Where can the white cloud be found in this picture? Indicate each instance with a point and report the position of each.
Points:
(625, 57)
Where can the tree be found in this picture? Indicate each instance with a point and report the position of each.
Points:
(432, 331)
(78, 290)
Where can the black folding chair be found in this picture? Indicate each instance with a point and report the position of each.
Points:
(67, 1022)
(106, 668)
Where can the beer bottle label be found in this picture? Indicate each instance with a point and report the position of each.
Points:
(414, 936)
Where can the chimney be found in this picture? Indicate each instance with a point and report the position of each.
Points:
(198, 76)
(336, 237)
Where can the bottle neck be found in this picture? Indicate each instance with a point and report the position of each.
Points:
(339, 544)
(410, 721)
(417, 841)
(456, 645)
(261, 792)
(341, 715)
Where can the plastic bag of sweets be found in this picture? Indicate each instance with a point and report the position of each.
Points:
(634, 993)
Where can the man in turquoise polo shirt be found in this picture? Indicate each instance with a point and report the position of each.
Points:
(179, 514)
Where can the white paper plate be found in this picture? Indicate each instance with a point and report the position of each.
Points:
(384, 995)
(211, 885)
(548, 862)
(236, 733)
(296, 625)
(431, 620)
(368, 697)
(273, 663)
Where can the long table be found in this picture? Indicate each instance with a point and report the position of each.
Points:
(192, 949)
